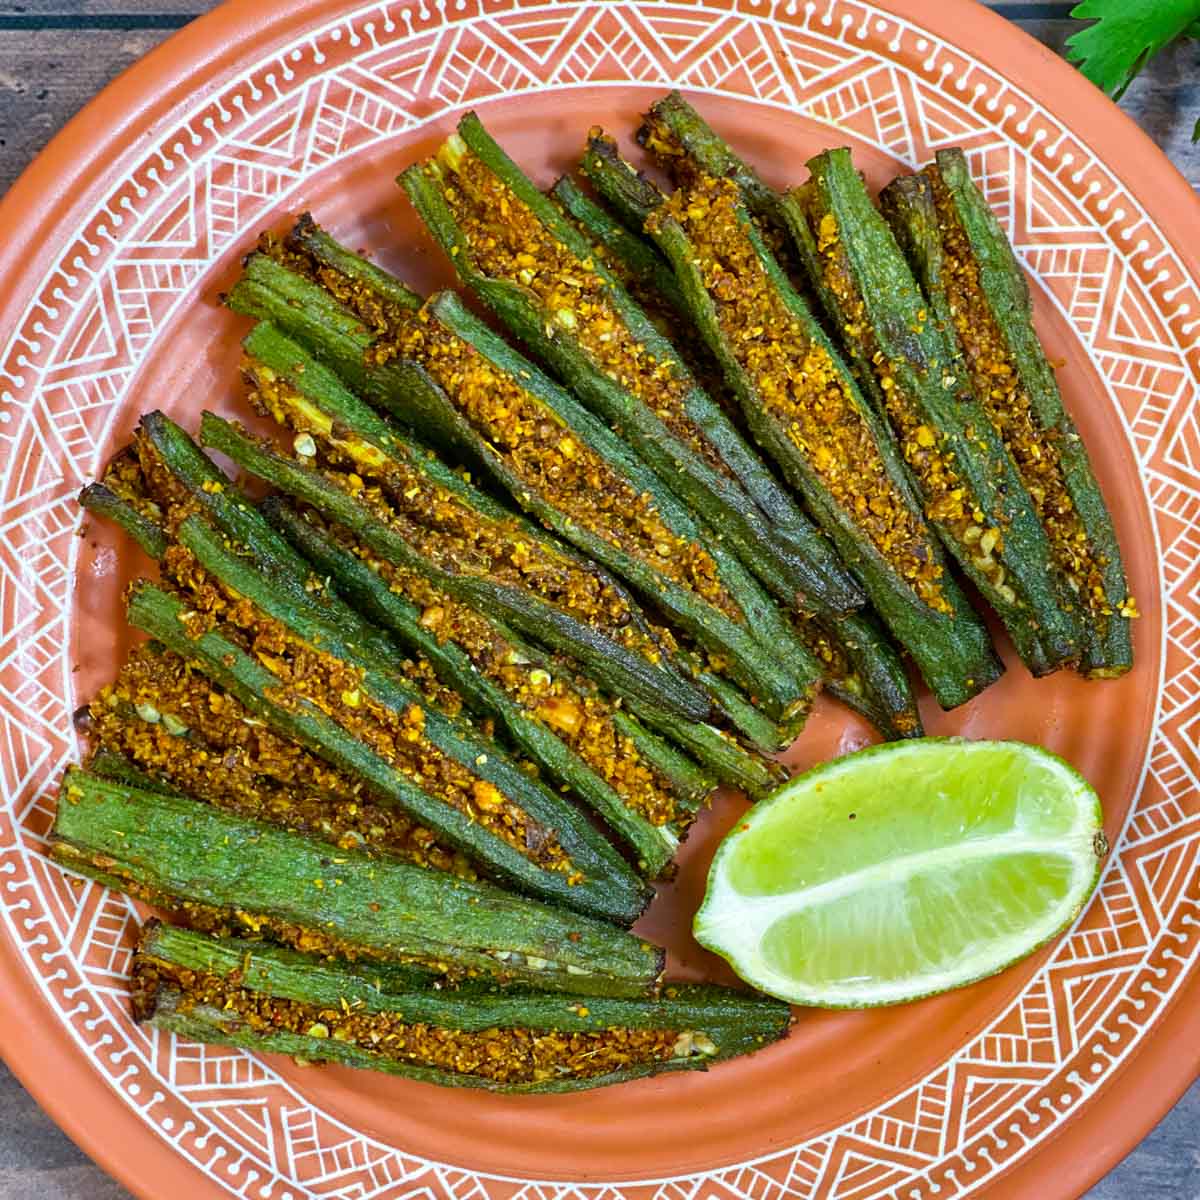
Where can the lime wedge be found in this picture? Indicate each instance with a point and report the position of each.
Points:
(902, 871)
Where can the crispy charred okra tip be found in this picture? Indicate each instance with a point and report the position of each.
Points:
(265, 998)
(226, 874)
(973, 281)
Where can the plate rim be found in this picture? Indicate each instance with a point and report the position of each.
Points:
(66, 176)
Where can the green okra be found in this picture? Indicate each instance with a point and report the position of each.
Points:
(302, 394)
(861, 666)
(362, 586)
(616, 361)
(110, 765)
(265, 998)
(909, 365)
(101, 500)
(592, 877)
(466, 673)
(806, 411)
(649, 274)
(625, 669)
(291, 573)
(608, 887)
(414, 392)
(679, 138)
(973, 283)
(231, 873)
(624, 517)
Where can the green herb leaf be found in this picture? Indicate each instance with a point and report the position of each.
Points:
(1127, 33)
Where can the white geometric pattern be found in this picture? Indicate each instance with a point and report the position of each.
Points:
(374, 74)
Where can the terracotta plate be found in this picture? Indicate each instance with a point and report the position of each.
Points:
(116, 243)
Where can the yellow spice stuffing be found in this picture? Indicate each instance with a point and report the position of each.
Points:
(507, 241)
(1007, 403)
(799, 383)
(336, 688)
(543, 452)
(504, 1056)
(946, 498)
(168, 718)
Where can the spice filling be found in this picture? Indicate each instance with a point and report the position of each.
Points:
(998, 387)
(581, 719)
(534, 441)
(798, 382)
(507, 241)
(442, 528)
(947, 501)
(337, 689)
(166, 716)
(500, 1055)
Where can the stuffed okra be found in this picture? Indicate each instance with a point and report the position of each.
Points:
(224, 874)
(975, 287)
(805, 409)
(644, 788)
(515, 248)
(163, 717)
(269, 999)
(303, 396)
(682, 568)
(972, 491)
(578, 478)
(313, 672)
(859, 663)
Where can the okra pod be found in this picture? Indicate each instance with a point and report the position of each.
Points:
(269, 999)
(571, 731)
(974, 285)
(165, 721)
(226, 873)
(452, 761)
(861, 666)
(578, 478)
(101, 500)
(972, 492)
(647, 275)
(471, 811)
(660, 789)
(426, 404)
(581, 481)
(513, 247)
(805, 409)
(507, 556)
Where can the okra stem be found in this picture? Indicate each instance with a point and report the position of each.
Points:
(192, 858)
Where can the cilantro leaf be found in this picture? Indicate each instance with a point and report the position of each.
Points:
(1126, 34)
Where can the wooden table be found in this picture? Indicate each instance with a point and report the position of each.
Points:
(54, 56)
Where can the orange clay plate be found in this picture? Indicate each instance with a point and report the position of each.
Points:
(115, 246)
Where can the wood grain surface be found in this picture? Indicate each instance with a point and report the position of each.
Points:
(54, 56)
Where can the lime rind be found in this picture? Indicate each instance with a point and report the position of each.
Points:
(901, 927)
